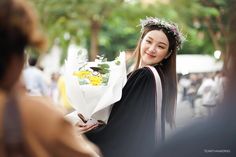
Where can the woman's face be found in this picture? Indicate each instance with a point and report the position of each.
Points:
(154, 47)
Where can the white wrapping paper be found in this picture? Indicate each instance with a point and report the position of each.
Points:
(92, 87)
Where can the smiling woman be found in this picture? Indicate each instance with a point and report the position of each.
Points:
(136, 125)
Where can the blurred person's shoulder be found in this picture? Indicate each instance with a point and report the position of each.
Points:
(39, 106)
(40, 115)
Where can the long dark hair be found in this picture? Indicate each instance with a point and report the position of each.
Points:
(168, 70)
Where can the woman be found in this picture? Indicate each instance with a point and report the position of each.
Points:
(29, 126)
(136, 123)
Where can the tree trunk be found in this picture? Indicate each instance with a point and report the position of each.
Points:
(231, 54)
(95, 29)
(230, 61)
(212, 34)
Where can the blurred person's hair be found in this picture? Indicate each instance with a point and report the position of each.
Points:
(18, 29)
(32, 61)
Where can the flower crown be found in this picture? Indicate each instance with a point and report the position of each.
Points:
(170, 27)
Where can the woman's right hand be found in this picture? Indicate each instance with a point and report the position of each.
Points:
(85, 125)
(83, 128)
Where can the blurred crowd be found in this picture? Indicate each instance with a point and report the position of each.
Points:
(39, 83)
(202, 91)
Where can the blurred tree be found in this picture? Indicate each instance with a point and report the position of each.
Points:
(59, 21)
(120, 32)
(206, 22)
(109, 26)
(70, 20)
(230, 16)
(215, 22)
(230, 60)
(95, 13)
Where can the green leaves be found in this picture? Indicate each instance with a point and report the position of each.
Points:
(73, 21)
(104, 68)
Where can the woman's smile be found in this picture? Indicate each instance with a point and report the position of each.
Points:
(150, 54)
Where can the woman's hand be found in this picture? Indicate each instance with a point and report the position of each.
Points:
(85, 125)
(83, 128)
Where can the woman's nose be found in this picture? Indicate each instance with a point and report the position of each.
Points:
(152, 48)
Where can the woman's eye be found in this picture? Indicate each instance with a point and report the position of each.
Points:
(148, 41)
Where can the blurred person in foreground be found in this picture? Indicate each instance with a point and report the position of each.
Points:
(216, 136)
(29, 126)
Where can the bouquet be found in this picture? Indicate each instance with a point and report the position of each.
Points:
(92, 87)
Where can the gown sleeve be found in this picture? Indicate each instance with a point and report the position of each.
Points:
(130, 130)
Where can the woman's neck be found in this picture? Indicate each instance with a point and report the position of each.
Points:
(141, 64)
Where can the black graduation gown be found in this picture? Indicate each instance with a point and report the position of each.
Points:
(130, 131)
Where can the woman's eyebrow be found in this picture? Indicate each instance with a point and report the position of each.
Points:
(163, 43)
(150, 38)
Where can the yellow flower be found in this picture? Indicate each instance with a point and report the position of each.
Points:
(82, 74)
(95, 80)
